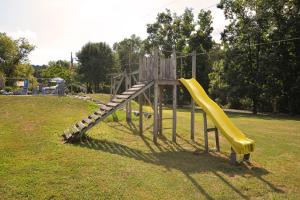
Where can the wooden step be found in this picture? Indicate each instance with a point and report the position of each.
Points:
(106, 108)
(134, 89)
(129, 92)
(67, 134)
(74, 129)
(81, 126)
(117, 100)
(112, 104)
(94, 117)
(88, 121)
(99, 112)
(98, 102)
(122, 96)
(138, 85)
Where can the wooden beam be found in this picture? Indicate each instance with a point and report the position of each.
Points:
(141, 115)
(233, 157)
(138, 86)
(168, 82)
(211, 129)
(174, 113)
(160, 109)
(128, 92)
(217, 140)
(192, 100)
(118, 86)
(155, 127)
(128, 105)
(156, 91)
(205, 132)
(122, 96)
(148, 100)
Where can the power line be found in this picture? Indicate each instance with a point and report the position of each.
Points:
(276, 41)
(184, 54)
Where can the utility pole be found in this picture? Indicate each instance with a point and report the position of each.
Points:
(71, 70)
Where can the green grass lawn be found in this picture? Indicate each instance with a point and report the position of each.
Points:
(117, 163)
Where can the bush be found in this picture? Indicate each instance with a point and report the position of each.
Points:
(9, 88)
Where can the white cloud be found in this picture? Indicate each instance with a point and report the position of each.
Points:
(28, 34)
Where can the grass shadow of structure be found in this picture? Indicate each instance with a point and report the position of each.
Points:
(184, 161)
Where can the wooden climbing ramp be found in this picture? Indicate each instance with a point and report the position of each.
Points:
(78, 130)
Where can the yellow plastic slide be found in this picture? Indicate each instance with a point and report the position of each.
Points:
(240, 143)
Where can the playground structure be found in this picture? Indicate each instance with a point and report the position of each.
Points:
(46, 86)
(21, 83)
(57, 87)
(157, 72)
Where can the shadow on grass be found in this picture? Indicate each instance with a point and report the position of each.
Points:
(263, 116)
(232, 113)
(173, 156)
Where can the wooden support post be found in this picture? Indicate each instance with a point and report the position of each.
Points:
(141, 114)
(160, 109)
(233, 157)
(192, 101)
(111, 88)
(156, 91)
(128, 106)
(217, 139)
(174, 112)
(155, 126)
(205, 131)
(113, 92)
(192, 120)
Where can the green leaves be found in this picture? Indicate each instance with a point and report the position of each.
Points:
(95, 63)
(12, 53)
(128, 51)
(256, 66)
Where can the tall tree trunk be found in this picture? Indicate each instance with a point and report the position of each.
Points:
(257, 80)
(254, 105)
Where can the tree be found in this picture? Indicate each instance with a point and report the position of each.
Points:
(58, 68)
(24, 71)
(95, 63)
(218, 87)
(8, 53)
(202, 42)
(128, 51)
(256, 67)
(170, 32)
(24, 49)
(286, 62)
(61, 63)
(12, 53)
(244, 62)
(183, 34)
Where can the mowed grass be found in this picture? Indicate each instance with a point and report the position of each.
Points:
(117, 163)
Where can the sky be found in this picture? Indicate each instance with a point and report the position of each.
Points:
(59, 27)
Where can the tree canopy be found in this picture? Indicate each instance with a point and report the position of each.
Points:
(256, 67)
(12, 53)
(128, 51)
(95, 63)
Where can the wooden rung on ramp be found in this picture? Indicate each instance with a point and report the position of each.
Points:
(78, 130)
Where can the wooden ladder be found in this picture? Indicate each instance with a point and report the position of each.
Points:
(76, 132)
